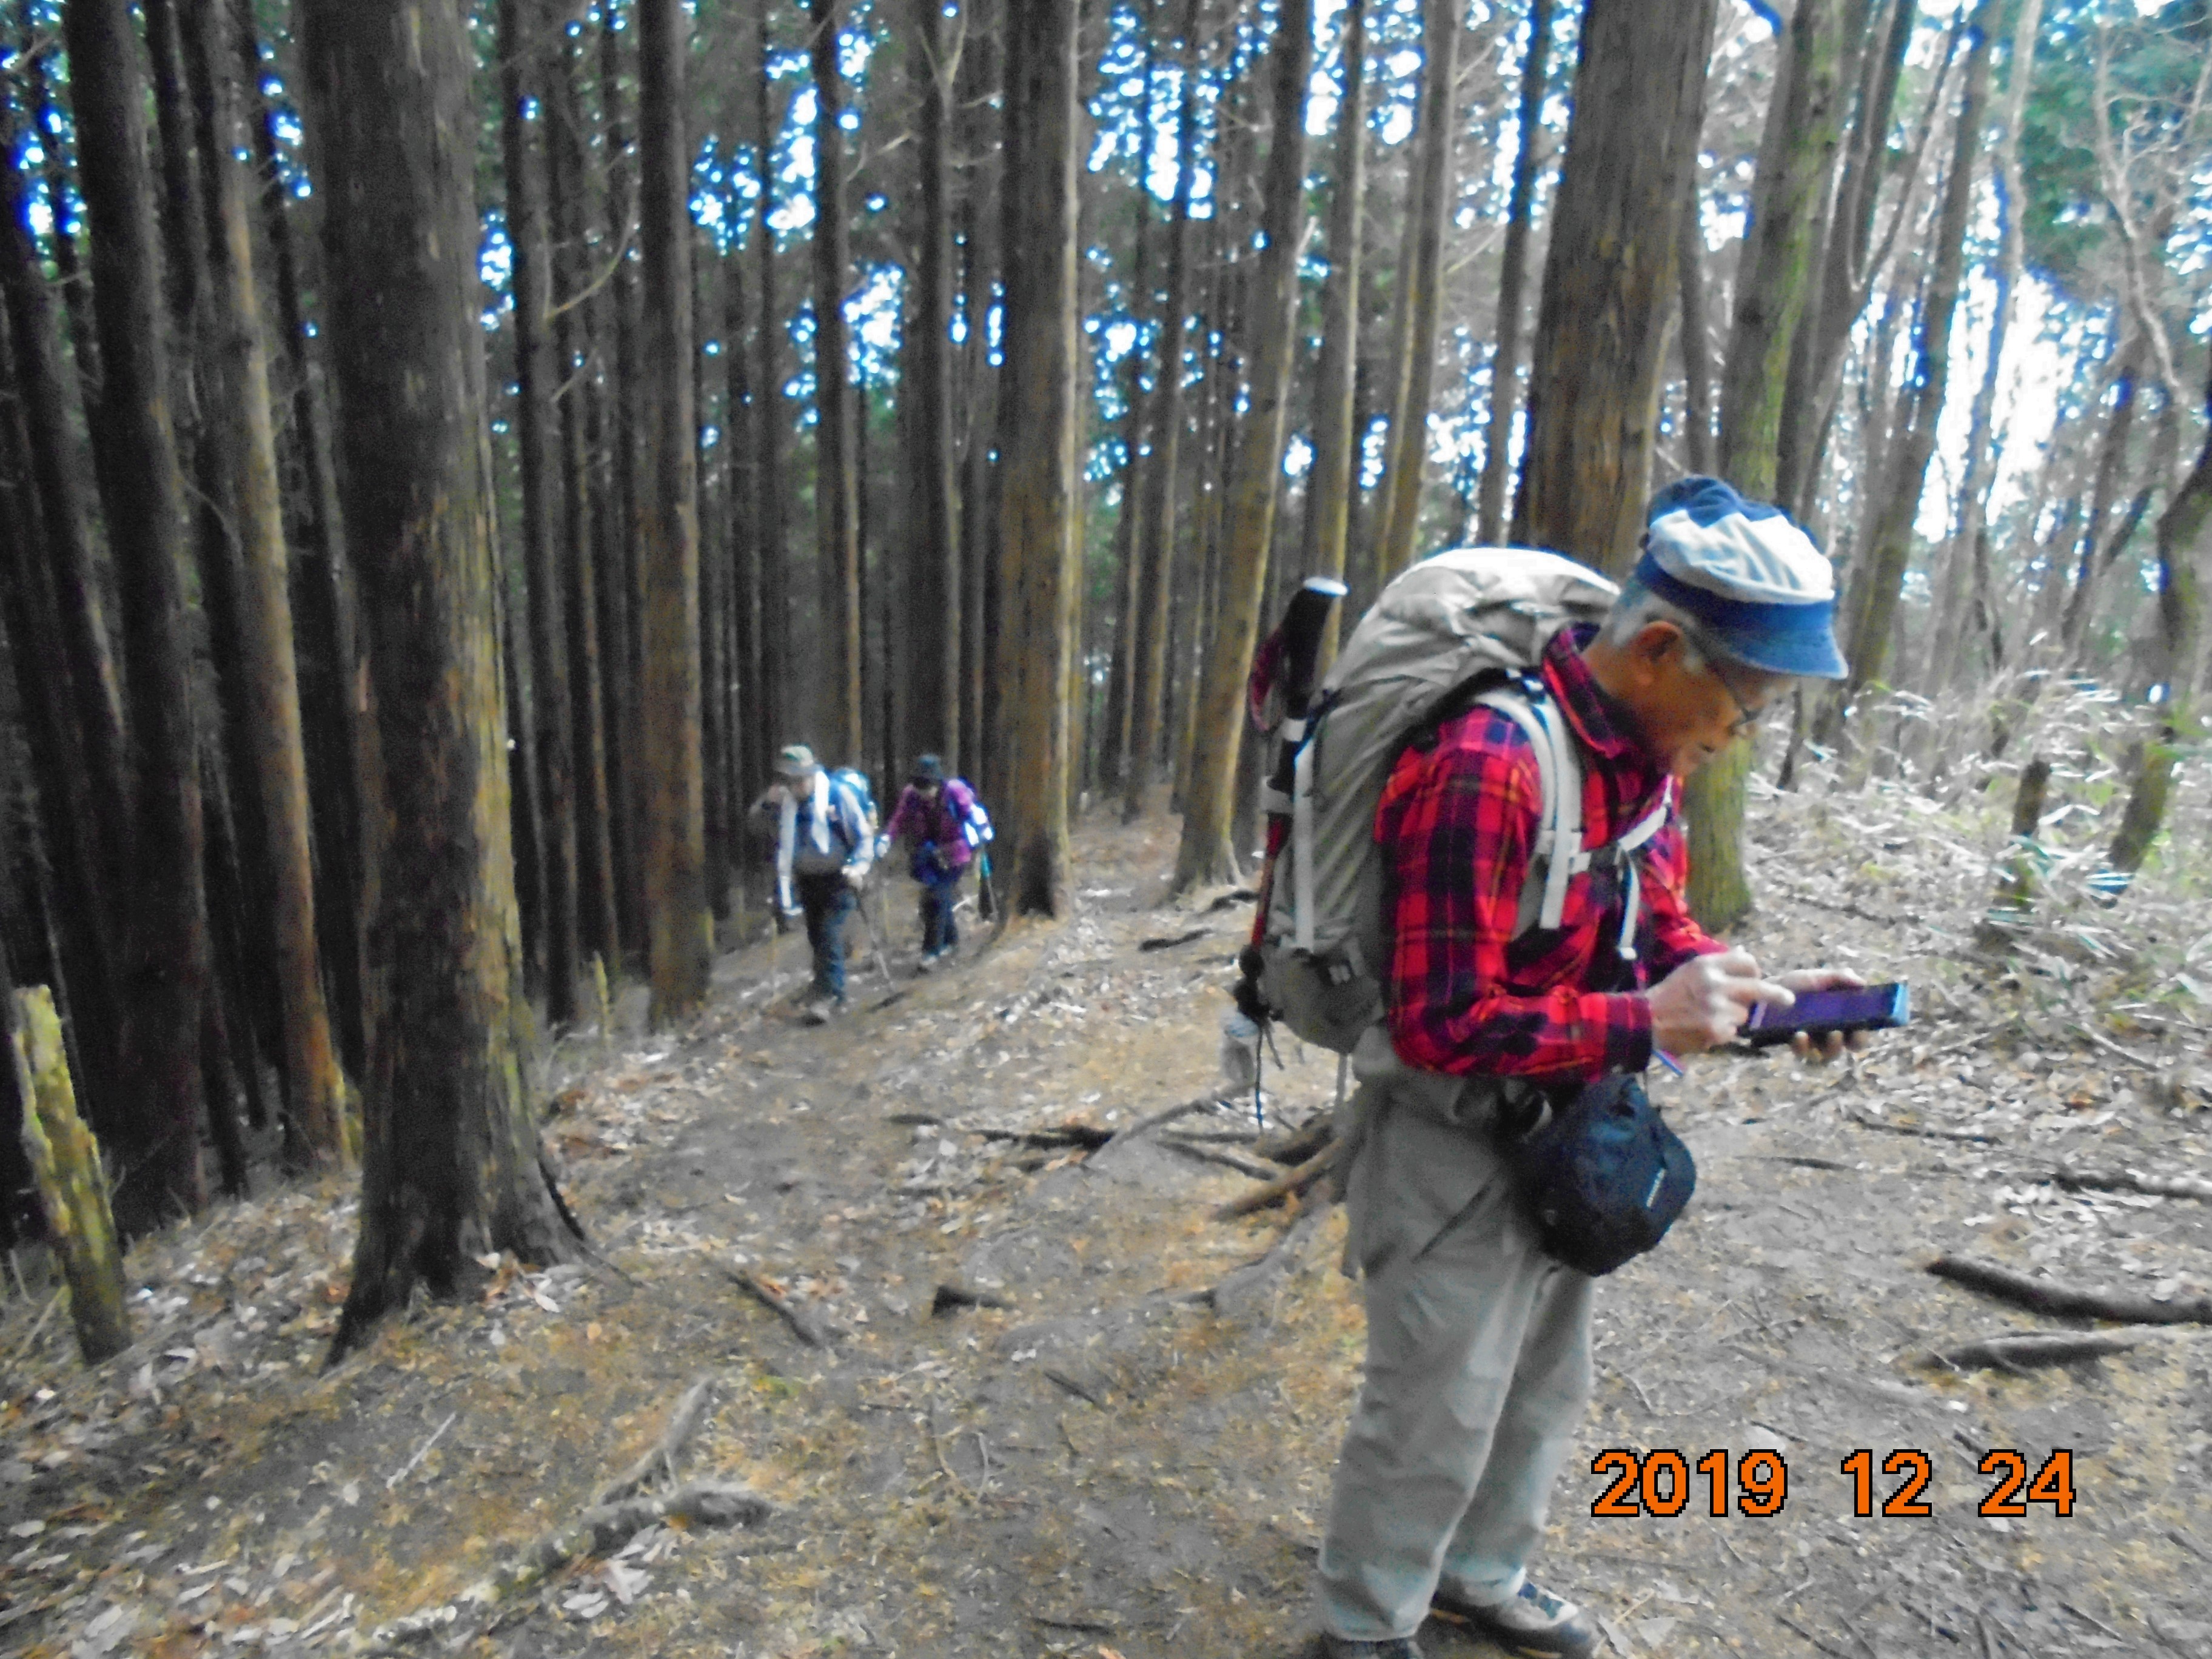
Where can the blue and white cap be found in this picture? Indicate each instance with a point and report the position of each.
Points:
(1757, 585)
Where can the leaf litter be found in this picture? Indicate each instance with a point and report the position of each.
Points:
(1087, 1458)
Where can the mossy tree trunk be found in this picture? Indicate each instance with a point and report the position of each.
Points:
(836, 429)
(1804, 124)
(1205, 853)
(451, 1165)
(1036, 447)
(65, 1166)
(141, 491)
(1609, 278)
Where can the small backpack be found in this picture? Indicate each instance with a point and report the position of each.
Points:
(854, 783)
(1464, 627)
(974, 823)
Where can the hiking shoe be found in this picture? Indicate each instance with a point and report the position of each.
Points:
(821, 1012)
(1535, 1622)
(928, 964)
(1344, 1647)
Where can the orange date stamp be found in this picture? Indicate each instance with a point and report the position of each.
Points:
(1665, 1483)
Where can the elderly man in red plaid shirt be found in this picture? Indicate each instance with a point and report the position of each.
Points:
(1478, 1347)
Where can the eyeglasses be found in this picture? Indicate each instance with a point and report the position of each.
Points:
(1746, 718)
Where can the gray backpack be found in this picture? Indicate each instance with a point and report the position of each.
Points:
(1466, 626)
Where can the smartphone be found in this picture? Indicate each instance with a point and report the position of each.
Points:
(1847, 1008)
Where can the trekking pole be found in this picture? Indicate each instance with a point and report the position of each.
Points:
(876, 938)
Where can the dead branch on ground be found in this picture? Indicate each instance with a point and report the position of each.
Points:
(2047, 1296)
(1253, 1285)
(2017, 1351)
(659, 1460)
(1283, 1186)
(772, 1295)
(1146, 1125)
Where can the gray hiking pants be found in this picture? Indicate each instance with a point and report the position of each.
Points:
(1477, 1372)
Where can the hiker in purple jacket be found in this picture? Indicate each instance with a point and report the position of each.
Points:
(937, 817)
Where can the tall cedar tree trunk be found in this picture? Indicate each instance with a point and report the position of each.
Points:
(1889, 547)
(2111, 461)
(1609, 278)
(1963, 602)
(709, 301)
(933, 607)
(526, 40)
(1036, 447)
(67, 823)
(836, 430)
(1156, 537)
(2182, 543)
(322, 604)
(1332, 482)
(1431, 186)
(1505, 359)
(238, 427)
(82, 783)
(451, 1163)
(749, 737)
(1205, 855)
(680, 928)
(1844, 282)
(1696, 341)
(1804, 123)
(166, 964)
(53, 143)
(598, 930)
(779, 714)
(618, 543)
(1112, 749)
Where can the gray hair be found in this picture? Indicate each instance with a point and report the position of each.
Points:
(1639, 607)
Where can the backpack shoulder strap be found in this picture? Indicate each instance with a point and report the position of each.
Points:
(1559, 828)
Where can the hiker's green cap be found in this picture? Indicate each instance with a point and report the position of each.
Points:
(795, 762)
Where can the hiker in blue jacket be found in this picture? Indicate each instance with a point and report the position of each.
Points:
(825, 835)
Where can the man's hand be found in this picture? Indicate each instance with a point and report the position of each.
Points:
(1823, 979)
(856, 876)
(1705, 1001)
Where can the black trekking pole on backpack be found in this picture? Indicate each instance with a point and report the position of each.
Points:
(1279, 693)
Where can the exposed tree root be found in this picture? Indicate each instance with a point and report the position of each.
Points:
(2046, 1296)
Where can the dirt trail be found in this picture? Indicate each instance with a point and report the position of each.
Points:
(1104, 1466)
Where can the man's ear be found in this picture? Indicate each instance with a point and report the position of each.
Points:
(1653, 645)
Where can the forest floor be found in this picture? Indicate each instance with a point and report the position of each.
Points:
(1108, 1466)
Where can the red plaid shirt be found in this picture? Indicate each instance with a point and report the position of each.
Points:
(1457, 824)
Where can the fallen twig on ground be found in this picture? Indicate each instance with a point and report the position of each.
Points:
(1301, 1143)
(1146, 1125)
(771, 1295)
(2046, 1296)
(2018, 1351)
(1060, 1134)
(950, 1297)
(2130, 1181)
(420, 1452)
(1228, 1160)
(1283, 1186)
(599, 1530)
(1077, 1385)
(1252, 1285)
(659, 1459)
(1922, 1129)
(1195, 934)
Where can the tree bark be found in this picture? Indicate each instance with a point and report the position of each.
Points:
(1205, 853)
(836, 486)
(45, 117)
(1964, 612)
(239, 427)
(1036, 446)
(1431, 209)
(1696, 340)
(165, 962)
(1333, 482)
(1609, 278)
(451, 1165)
(1889, 547)
(525, 46)
(1156, 537)
(936, 548)
(1512, 280)
(680, 928)
(617, 572)
(328, 656)
(778, 717)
